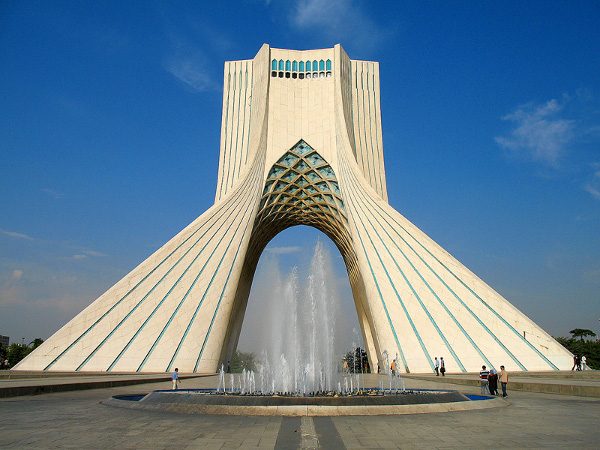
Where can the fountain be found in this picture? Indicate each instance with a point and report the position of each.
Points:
(299, 371)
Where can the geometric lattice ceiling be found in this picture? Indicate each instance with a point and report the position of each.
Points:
(302, 189)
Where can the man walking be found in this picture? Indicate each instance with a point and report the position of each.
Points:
(483, 375)
(442, 366)
(437, 367)
(503, 378)
(175, 378)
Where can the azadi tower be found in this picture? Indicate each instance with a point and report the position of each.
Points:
(301, 144)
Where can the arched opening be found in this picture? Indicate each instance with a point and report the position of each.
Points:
(294, 249)
(301, 188)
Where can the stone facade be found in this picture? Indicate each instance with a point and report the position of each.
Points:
(301, 143)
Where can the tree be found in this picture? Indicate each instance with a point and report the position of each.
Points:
(242, 360)
(589, 348)
(16, 352)
(36, 343)
(581, 333)
(356, 360)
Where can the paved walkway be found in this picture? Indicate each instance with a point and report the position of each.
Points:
(584, 383)
(77, 419)
(14, 384)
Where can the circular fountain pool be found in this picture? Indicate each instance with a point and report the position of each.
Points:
(207, 401)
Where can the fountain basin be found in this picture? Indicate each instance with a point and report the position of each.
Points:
(204, 401)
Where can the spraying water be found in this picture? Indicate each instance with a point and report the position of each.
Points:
(302, 350)
(300, 355)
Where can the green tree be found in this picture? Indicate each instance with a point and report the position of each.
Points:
(16, 352)
(581, 333)
(242, 360)
(36, 343)
(356, 360)
(3, 352)
(588, 348)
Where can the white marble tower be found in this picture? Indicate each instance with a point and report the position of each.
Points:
(300, 145)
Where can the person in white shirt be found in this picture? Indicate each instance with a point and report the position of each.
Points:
(175, 378)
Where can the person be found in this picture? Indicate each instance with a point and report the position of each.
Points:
(175, 378)
(578, 362)
(503, 378)
(228, 367)
(437, 367)
(394, 368)
(378, 368)
(574, 362)
(483, 375)
(493, 382)
(584, 362)
(442, 366)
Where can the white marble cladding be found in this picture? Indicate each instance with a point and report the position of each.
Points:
(183, 307)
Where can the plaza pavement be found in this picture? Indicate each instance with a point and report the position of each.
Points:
(77, 419)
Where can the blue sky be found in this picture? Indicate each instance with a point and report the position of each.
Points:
(110, 119)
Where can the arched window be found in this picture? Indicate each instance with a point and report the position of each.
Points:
(315, 65)
(308, 66)
(328, 64)
(274, 65)
(301, 66)
(281, 64)
(295, 66)
(321, 65)
(288, 65)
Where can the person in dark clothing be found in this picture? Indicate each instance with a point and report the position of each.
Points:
(493, 382)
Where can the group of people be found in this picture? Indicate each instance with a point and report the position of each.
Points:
(489, 381)
(579, 362)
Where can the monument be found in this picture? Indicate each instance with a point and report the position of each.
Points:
(301, 144)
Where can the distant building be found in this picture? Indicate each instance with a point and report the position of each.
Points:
(4, 341)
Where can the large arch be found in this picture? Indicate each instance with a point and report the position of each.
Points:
(301, 188)
(299, 151)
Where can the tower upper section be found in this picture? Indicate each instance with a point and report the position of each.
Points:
(281, 96)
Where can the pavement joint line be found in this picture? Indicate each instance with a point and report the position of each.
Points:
(308, 433)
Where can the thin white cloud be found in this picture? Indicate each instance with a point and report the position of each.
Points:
(53, 193)
(94, 253)
(558, 135)
(16, 235)
(540, 133)
(282, 250)
(190, 69)
(340, 20)
(188, 64)
(593, 186)
(17, 274)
